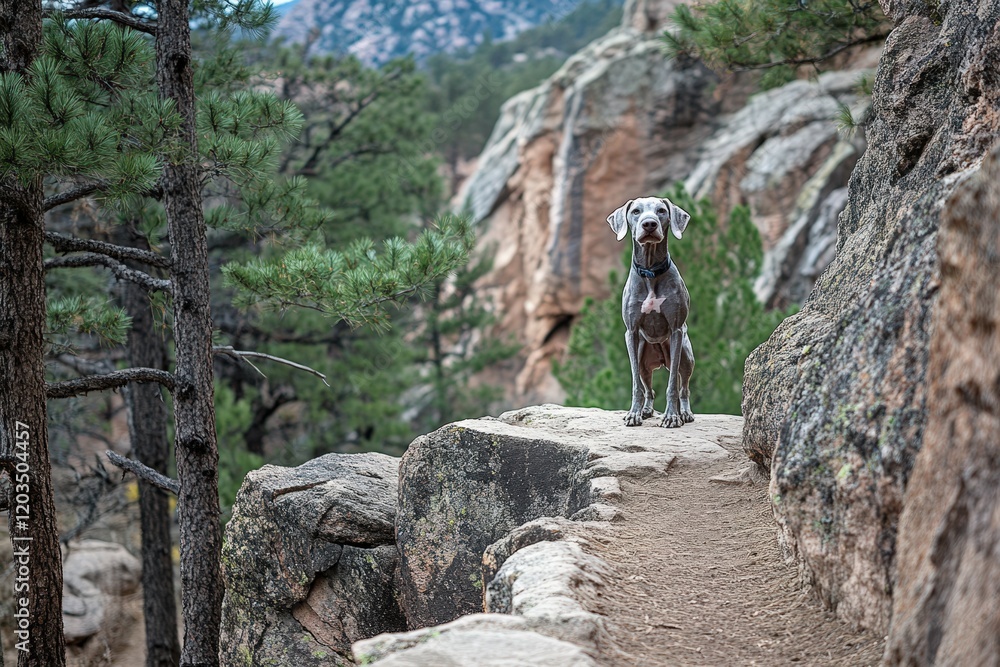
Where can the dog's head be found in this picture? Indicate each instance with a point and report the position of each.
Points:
(648, 218)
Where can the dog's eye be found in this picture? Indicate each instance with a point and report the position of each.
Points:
(661, 211)
(635, 211)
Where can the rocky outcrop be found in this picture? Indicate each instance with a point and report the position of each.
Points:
(617, 121)
(529, 591)
(310, 561)
(490, 515)
(836, 400)
(946, 607)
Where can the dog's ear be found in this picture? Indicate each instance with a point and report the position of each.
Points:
(619, 221)
(679, 218)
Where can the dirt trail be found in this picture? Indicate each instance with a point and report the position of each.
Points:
(700, 579)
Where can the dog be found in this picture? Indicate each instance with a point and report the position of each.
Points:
(655, 307)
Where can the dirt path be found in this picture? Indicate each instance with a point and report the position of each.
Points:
(700, 580)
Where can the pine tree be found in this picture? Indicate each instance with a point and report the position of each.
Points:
(775, 35)
(83, 118)
(726, 322)
(62, 118)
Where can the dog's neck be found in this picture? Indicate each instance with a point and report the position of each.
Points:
(651, 260)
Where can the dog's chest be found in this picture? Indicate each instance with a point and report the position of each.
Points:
(652, 303)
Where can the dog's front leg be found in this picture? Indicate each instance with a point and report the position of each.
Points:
(634, 416)
(672, 417)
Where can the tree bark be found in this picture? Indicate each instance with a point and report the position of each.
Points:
(23, 429)
(194, 412)
(147, 425)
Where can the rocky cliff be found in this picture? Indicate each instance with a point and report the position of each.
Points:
(617, 121)
(836, 402)
(946, 607)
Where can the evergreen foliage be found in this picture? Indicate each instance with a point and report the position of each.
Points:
(80, 112)
(453, 321)
(776, 35)
(718, 263)
(366, 133)
(358, 283)
(74, 315)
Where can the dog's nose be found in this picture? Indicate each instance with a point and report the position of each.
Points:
(649, 225)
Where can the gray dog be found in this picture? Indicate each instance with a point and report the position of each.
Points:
(655, 308)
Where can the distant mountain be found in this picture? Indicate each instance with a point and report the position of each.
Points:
(377, 31)
(286, 7)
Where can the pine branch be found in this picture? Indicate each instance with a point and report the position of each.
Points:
(123, 272)
(63, 243)
(122, 18)
(112, 380)
(144, 472)
(795, 62)
(72, 194)
(243, 354)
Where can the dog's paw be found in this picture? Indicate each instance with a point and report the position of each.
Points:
(647, 411)
(687, 416)
(633, 419)
(672, 421)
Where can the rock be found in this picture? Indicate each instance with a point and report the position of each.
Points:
(946, 607)
(96, 575)
(468, 484)
(462, 488)
(484, 640)
(304, 541)
(647, 15)
(353, 600)
(555, 586)
(844, 381)
(543, 529)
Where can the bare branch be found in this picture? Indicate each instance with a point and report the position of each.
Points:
(140, 278)
(129, 20)
(144, 472)
(243, 354)
(66, 196)
(111, 380)
(63, 243)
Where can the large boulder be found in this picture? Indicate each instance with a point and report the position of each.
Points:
(462, 488)
(309, 561)
(836, 400)
(946, 608)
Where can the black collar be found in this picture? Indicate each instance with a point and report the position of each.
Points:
(652, 271)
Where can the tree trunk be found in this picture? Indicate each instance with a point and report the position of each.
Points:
(194, 413)
(147, 426)
(23, 430)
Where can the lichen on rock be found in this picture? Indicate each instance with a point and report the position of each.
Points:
(835, 401)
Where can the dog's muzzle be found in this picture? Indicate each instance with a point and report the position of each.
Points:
(649, 230)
